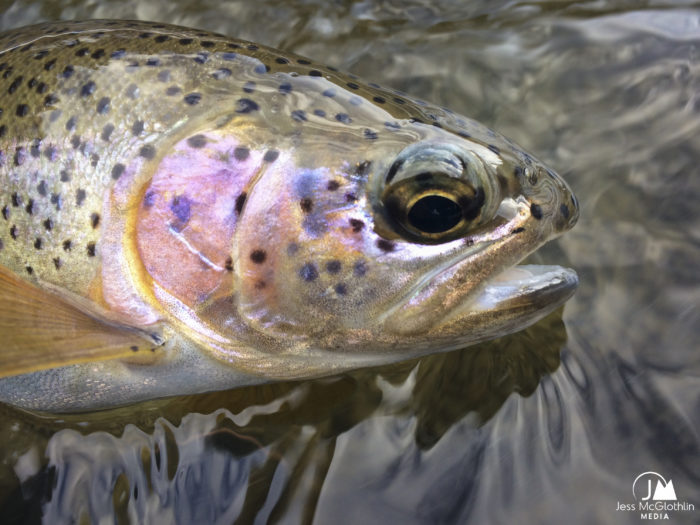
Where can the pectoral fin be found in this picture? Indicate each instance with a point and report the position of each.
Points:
(39, 330)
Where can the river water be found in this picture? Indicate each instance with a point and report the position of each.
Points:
(550, 425)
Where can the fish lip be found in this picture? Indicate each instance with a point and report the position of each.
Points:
(534, 286)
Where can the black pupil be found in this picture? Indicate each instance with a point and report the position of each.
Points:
(434, 214)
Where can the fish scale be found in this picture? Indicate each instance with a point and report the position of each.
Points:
(248, 214)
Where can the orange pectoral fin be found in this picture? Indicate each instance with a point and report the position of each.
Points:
(39, 330)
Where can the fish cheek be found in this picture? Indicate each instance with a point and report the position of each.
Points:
(187, 214)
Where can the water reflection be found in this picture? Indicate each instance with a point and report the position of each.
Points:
(265, 453)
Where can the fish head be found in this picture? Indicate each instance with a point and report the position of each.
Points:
(400, 247)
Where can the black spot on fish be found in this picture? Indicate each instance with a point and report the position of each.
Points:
(241, 153)
(20, 156)
(240, 201)
(285, 88)
(385, 245)
(303, 62)
(118, 54)
(147, 152)
(80, 197)
(181, 208)
(97, 54)
(106, 132)
(249, 87)
(370, 134)
(281, 60)
(252, 47)
(230, 57)
(299, 115)
(91, 250)
(2, 245)
(15, 84)
(153, 62)
(41, 188)
(117, 171)
(34, 149)
(207, 43)
(564, 209)
(70, 124)
(172, 91)
(185, 41)
(352, 85)
(343, 117)
(3, 130)
(41, 88)
(29, 208)
(22, 110)
(13, 232)
(330, 93)
(319, 113)
(332, 185)
(536, 211)
(261, 69)
(16, 199)
(133, 91)
(392, 126)
(67, 245)
(306, 205)
(103, 106)
(56, 201)
(271, 155)
(37, 243)
(379, 100)
(164, 76)
(193, 98)
(137, 128)
(197, 141)
(258, 256)
(245, 105)
(68, 71)
(95, 220)
(340, 289)
(292, 249)
(149, 199)
(308, 272)
(333, 267)
(357, 225)
(360, 268)
(65, 176)
(518, 230)
(57, 262)
(350, 197)
(51, 154)
(29, 269)
(161, 38)
(88, 89)
(5, 212)
(48, 224)
(228, 264)
(222, 73)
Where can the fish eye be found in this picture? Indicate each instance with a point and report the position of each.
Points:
(433, 194)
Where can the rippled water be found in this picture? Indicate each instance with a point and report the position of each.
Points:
(548, 425)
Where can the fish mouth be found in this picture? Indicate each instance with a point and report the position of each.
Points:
(526, 286)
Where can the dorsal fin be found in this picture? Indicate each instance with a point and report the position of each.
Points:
(39, 330)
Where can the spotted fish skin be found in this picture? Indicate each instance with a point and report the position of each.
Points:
(227, 197)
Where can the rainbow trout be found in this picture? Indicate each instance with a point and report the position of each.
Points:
(183, 212)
